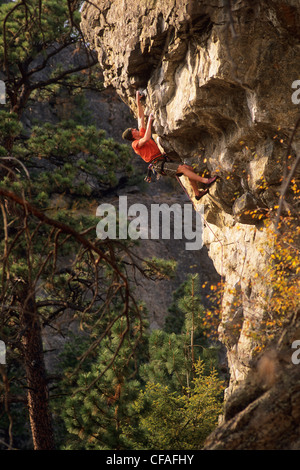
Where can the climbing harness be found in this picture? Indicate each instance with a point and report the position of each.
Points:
(151, 168)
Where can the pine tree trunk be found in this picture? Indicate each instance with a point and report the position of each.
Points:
(38, 404)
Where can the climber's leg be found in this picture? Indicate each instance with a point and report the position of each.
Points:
(169, 168)
(195, 187)
(198, 194)
(188, 171)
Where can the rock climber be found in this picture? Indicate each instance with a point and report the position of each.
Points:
(146, 147)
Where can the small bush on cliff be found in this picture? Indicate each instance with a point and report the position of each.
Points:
(283, 277)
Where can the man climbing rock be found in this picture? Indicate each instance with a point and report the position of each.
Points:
(145, 147)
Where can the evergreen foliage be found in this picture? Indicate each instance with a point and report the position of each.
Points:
(154, 389)
(50, 261)
(176, 421)
(33, 35)
(98, 407)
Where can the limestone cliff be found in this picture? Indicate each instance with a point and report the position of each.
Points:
(218, 78)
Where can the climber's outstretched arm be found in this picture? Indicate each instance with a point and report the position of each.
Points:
(141, 117)
(148, 132)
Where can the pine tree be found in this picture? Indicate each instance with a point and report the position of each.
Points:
(152, 392)
(51, 262)
(175, 349)
(33, 35)
(182, 397)
(96, 410)
(168, 420)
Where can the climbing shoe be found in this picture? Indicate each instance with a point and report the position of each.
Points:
(211, 181)
(201, 194)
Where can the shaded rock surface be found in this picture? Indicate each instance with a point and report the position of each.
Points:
(219, 82)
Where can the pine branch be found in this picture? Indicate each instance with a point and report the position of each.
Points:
(64, 228)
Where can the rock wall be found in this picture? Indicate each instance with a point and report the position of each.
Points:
(218, 79)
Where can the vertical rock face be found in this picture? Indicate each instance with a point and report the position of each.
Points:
(219, 82)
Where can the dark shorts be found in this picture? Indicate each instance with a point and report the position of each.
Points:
(167, 168)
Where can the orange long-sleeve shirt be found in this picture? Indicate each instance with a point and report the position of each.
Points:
(148, 151)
